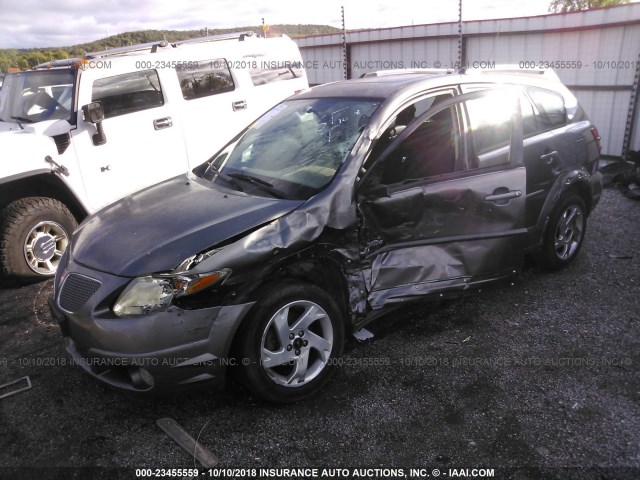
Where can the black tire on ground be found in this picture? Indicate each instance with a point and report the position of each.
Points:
(312, 324)
(34, 232)
(564, 234)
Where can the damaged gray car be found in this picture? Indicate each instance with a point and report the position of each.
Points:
(335, 205)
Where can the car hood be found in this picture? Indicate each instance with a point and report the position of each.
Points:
(155, 229)
(9, 127)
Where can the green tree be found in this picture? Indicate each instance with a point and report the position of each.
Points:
(576, 5)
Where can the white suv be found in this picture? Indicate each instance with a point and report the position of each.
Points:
(77, 135)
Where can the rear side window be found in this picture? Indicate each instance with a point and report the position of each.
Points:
(551, 109)
(491, 124)
(269, 70)
(128, 93)
(204, 78)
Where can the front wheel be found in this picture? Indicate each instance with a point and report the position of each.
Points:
(289, 344)
(34, 233)
(565, 233)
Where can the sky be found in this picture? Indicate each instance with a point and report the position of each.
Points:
(31, 23)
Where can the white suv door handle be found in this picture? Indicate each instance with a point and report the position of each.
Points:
(240, 105)
(165, 122)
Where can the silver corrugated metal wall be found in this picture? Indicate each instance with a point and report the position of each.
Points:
(599, 50)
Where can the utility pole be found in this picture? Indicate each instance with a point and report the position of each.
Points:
(460, 39)
(631, 114)
(344, 48)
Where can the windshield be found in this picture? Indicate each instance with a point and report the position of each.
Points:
(34, 96)
(295, 149)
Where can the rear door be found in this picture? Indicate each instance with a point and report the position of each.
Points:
(215, 105)
(443, 206)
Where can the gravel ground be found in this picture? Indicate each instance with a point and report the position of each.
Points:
(537, 380)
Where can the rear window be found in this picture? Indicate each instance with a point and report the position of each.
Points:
(204, 78)
(128, 93)
(551, 109)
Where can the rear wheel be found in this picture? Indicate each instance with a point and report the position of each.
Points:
(565, 233)
(34, 233)
(288, 344)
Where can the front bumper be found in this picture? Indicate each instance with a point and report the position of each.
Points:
(161, 351)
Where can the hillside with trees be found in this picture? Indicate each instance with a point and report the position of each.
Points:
(577, 5)
(27, 58)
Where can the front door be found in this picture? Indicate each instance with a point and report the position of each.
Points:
(144, 143)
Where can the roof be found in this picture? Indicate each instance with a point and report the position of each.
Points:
(374, 87)
(401, 83)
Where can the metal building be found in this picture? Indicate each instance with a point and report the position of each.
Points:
(596, 53)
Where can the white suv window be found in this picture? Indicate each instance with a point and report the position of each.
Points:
(204, 78)
(128, 93)
(271, 70)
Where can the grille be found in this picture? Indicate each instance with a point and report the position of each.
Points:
(77, 289)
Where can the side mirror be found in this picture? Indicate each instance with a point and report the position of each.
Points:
(395, 131)
(94, 113)
(378, 191)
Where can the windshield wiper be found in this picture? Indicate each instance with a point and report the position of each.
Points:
(224, 176)
(258, 182)
(22, 119)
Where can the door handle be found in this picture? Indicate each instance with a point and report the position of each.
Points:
(548, 158)
(501, 197)
(160, 123)
(239, 105)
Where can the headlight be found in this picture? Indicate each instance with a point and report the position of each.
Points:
(149, 294)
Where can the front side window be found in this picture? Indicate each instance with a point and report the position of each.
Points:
(431, 149)
(296, 148)
(128, 93)
(204, 78)
(529, 122)
(35, 96)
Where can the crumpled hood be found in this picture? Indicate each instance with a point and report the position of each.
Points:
(155, 229)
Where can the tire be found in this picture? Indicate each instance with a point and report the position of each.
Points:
(564, 234)
(34, 232)
(312, 338)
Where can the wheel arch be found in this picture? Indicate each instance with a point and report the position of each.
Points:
(316, 266)
(575, 182)
(41, 184)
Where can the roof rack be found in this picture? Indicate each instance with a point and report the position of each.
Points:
(547, 73)
(214, 38)
(405, 71)
(65, 62)
(154, 46)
